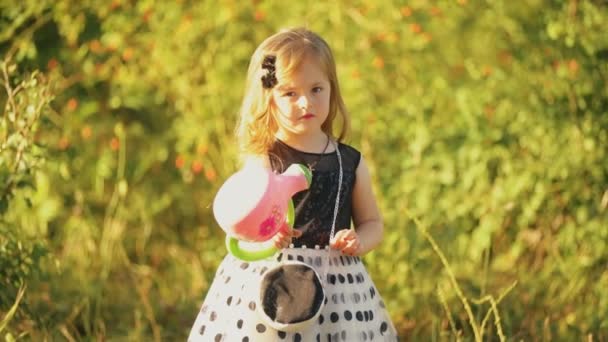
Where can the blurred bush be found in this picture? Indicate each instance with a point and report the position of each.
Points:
(485, 120)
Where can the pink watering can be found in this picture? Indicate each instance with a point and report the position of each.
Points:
(255, 203)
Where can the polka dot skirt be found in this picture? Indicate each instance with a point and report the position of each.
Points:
(353, 311)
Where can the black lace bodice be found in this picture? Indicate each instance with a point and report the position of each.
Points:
(315, 206)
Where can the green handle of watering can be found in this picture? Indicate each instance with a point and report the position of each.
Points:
(232, 244)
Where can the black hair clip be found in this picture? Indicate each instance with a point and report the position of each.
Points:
(269, 80)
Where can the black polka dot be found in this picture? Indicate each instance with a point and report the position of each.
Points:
(350, 278)
(212, 316)
(332, 279)
(229, 300)
(318, 261)
(280, 257)
(244, 265)
(342, 298)
(239, 323)
(383, 328)
(366, 315)
(348, 315)
(359, 315)
(360, 277)
(341, 278)
(372, 292)
(334, 317)
(371, 315)
(218, 337)
(300, 258)
(238, 301)
(364, 336)
(289, 257)
(318, 337)
(282, 334)
(309, 260)
(371, 335)
(382, 304)
(356, 298)
(297, 337)
(263, 270)
(336, 337)
(321, 319)
(227, 280)
(260, 328)
(343, 334)
(334, 298)
(245, 339)
(201, 331)
(252, 305)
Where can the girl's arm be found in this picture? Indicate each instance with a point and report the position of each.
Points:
(369, 226)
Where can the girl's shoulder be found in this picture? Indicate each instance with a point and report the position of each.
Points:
(350, 154)
(255, 160)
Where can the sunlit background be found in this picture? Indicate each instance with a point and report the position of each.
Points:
(485, 124)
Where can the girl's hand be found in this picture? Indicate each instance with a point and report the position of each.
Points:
(283, 238)
(347, 241)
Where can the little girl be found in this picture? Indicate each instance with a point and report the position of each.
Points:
(292, 100)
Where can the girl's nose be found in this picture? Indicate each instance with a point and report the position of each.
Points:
(302, 102)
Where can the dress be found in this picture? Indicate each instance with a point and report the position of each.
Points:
(353, 311)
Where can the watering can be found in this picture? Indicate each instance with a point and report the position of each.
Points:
(255, 203)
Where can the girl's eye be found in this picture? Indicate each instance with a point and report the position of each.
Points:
(289, 94)
(317, 89)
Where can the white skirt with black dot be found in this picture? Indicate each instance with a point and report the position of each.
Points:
(354, 311)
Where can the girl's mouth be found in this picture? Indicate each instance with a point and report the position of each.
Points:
(308, 116)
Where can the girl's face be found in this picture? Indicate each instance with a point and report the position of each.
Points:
(301, 101)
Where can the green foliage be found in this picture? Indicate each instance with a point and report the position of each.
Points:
(19, 260)
(25, 100)
(485, 120)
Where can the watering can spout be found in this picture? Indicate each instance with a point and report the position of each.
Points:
(292, 178)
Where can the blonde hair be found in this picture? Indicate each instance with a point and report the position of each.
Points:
(257, 126)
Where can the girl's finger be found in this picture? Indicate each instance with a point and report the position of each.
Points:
(348, 236)
(351, 247)
(279, 240)
(338, 240)
(351, 243)
(278, 243)
(338, 243)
